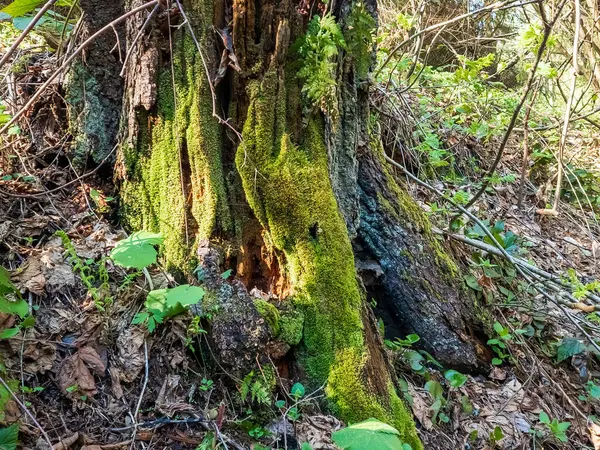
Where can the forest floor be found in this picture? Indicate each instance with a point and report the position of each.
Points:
(85, 373)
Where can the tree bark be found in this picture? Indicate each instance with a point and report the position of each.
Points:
(300, 207)
(95, 89)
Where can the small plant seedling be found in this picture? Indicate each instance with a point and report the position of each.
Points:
(496, 436)
(206, 385)
(558, 429)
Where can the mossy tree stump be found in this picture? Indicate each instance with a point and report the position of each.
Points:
(302, 206)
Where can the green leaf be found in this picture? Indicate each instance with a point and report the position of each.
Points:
(498, 328)
(368, 435)
(497, 434)
(137, 250)
(568, 348)
(185, 295)
(435, 389)
(9, 332)
(18, 306)
(414, 358)
(6, 286)
(594, 390)
(9, 437)
(544, 418)
(496, 361)
(21, 7)
(455, 378)
(472, 282)
(163, 303)
(306, 446)
(297, 391)
(226, 274)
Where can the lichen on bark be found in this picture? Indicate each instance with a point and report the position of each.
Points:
(287, 185)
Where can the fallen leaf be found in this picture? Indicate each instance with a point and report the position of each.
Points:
(594, 434)
(131, 353)
(74, 374)
(93, 360)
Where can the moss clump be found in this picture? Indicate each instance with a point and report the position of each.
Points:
(288, 187)
(291, 325)
(174, 179)
(269, 312)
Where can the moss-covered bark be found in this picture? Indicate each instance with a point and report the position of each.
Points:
(173, 175)
(287, 184)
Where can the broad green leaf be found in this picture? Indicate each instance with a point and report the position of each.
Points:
(455, 378)
(368, 435)
(20, 23)
(497, 434)
(568, 348)
(472, 282)
(170, 302)
(415, 359)
(18, 306)
(306, 446)
(9, 332)
(185, 295)
(21, 7)
(9, 437)
(594, 390)
(137, 250)
(544, 418)
(435, 389)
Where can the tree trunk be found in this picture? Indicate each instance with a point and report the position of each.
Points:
(300, 207)
(95, 89)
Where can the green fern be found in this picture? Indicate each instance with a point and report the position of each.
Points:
(360, 33)
(318, 50)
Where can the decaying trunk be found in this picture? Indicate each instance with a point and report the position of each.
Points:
(303, 207)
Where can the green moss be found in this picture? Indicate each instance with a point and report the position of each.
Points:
(291, 326)
(346, 389)
(269, 312)
(174, 182)
(288, 187)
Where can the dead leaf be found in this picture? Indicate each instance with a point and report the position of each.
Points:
(59, 275)
(497, 374)
(66, 443)
(131, 353)
(93, 360)
(594, 434)
(420, 408)
(115, 379)
(38, 355)
(74, 372)
(317, 431)
(30, 277)
(168, 401)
